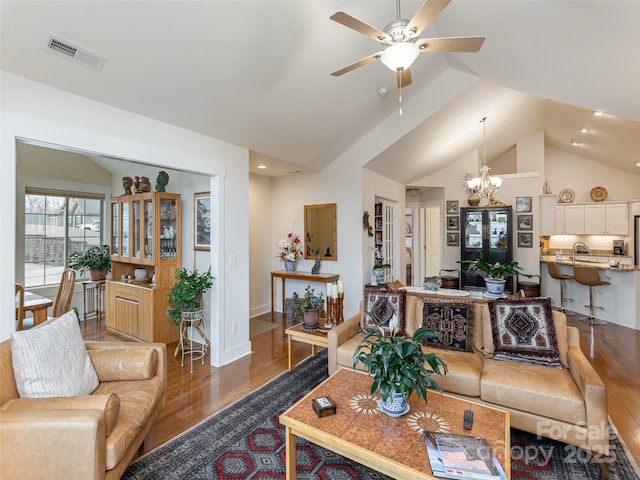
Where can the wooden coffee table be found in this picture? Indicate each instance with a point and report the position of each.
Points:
(393, 446)
(297, 333)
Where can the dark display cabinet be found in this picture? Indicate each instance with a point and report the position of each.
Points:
(486, 230)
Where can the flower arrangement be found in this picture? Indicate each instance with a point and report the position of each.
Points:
(378, 261)
(290, 248)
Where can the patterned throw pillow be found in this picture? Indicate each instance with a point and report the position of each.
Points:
(454, 321)
(523, 331)
(51, 360)
(387, 307)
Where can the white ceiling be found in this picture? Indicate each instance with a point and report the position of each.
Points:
(256, 74)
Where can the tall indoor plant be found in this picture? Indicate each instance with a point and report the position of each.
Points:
(495, 272)
(95, 260)
(399, 366)
(187, 293)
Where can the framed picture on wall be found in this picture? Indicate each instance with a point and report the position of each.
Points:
(523, 205)
(202, 221)
(452, 206)
(453, 223)
(453, 239)
(525, 222)
(525, 240)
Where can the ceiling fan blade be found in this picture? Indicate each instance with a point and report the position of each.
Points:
(359, 63)
(404, 78)
(450, 44)
(423, 17)
(361, 27)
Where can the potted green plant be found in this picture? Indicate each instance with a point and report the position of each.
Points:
(187, 293)
(310, 306)
(495, 272)
(399, 367)
(95, 260)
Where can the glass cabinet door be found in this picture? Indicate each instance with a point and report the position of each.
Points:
(473, 237)
(498, 229)
(135, 221)
(168, 228)
(115, 228)
(125, 230)
(148, 226)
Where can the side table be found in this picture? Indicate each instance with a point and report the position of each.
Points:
(93, 299)
(313, 337)
(189, 321)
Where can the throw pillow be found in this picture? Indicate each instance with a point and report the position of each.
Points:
(454, 321)
(51, 360)
(386, 307)
(523, 331)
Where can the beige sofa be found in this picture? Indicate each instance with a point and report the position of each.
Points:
(568, 404)
(94, 436)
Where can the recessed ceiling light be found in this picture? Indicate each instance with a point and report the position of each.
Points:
(584, 130)
(637, 164)
(575, 143)
(598, 113)
(261, 167)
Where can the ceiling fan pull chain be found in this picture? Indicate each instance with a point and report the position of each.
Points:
(400, 90)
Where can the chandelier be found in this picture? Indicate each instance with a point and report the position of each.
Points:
(484, 185)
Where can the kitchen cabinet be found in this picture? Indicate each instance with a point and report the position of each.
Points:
(569, 219)
(145, 234)
(593, 219)
(486, 231)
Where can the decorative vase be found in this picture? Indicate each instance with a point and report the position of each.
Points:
(495, 287)
(290, 266)
(396, 405)
(311, 319)
(140, 273)
(378, 275)
(473, 199)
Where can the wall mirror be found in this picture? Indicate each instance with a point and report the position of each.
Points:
(320, 231)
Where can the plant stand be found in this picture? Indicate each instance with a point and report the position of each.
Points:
(189, 321)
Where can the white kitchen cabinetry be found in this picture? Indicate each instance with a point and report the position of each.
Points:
(593, 219)
(569, 219)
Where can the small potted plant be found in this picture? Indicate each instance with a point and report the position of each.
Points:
(495, 272)
(95, 260)
(378, 266)
(310, 306)
(187, 294)
(290, 251)
(399, 366)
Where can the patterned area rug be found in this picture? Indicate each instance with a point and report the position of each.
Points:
(246, 441)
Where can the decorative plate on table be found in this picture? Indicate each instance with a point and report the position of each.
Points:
(598, 194)
(566, 196)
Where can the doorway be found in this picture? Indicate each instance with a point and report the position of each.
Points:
(430, 242)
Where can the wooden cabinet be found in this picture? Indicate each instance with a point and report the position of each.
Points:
(593, 219)
(145, 233)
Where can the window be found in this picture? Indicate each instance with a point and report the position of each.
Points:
(57, 224)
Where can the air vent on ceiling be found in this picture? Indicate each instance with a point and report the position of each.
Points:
(83, 56)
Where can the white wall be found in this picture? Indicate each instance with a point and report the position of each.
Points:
(34, 111)
(261, 247)
(566, 170)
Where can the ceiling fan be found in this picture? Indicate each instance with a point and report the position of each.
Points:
(400, 40)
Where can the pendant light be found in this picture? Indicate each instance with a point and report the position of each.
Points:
(484, 185)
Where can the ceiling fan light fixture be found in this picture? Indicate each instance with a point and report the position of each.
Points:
(400, 56)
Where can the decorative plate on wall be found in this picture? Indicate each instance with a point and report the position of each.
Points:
(598, 194)
(566, 196)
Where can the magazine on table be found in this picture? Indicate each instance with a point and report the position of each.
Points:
(462, 457)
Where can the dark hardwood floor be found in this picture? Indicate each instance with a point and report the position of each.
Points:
(192, 397)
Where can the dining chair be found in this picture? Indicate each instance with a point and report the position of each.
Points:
(19, 306)
(65, 292)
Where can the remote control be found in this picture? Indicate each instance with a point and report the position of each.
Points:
(468, 419)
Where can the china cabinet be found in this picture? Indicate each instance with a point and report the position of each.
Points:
(145, 235)
(486, 231)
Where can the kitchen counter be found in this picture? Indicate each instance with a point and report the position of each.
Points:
(620, 299)
(566, 260)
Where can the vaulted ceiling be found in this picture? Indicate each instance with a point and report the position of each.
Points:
(256, 74)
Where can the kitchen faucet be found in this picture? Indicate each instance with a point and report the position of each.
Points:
(573, 250)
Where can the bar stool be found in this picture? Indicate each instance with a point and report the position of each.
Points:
(552, 267)
(591, 278)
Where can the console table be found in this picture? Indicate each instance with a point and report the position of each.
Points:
(307, 276)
